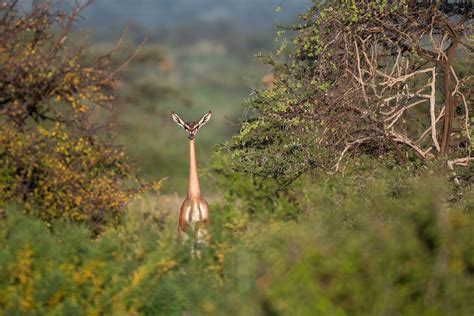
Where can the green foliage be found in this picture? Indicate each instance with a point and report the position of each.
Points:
(336, 94)
(55, 159)
(41, 76)
(256, 196)
(360, 246)
(58, 174)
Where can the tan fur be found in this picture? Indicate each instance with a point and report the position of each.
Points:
(194, 212)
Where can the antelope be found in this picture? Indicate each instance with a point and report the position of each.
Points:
(194, 212)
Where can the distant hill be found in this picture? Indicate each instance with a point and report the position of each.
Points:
(245, 15)
(243, 26)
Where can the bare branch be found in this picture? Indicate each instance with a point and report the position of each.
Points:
(405, 140)
(432, 110)
(460, 162)
(125, 63)
(464, 102)
(347, 148)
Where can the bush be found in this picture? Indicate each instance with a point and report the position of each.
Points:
(56, 160)
(57, 174)
(361, 78)
(353, 250)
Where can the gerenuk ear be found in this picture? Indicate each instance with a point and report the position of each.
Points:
(206, 118)
(177, 119)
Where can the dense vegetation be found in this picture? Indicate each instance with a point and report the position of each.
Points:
(363, 78)
(56, 160)
(365, 246)
(307, 221)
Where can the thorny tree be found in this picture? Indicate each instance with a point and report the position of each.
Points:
(56, 159)
(41, 73)
(383, 78)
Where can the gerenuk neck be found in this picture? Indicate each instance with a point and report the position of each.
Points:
(193, 189)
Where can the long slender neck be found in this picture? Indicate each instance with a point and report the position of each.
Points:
(193, 189)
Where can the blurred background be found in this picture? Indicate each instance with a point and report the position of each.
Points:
(198, 56)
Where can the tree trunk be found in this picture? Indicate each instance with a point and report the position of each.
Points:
(448, 101)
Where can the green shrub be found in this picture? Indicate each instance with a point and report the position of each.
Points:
(336, 94)
(56, 158)
(360, 246)
(58, 174)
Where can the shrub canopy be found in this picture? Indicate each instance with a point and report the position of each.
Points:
(55, 156)
(362, 77)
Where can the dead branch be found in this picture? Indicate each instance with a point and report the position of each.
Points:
(129, 58)
(347, 148)
(460, 162)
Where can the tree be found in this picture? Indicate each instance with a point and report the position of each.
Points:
(364, 77)
(56, 157)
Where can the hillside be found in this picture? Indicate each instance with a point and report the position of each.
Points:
(245, 14)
